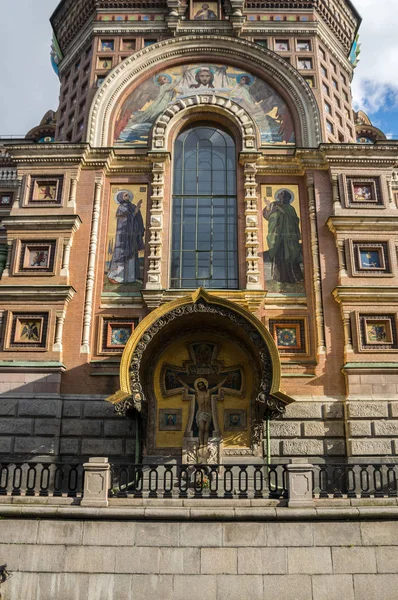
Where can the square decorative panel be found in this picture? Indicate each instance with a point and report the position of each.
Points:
(128, 45)
(28, 331)
(370, 258)
(6, 199)
(289, 335)
(115, 334)
(46, 190)
(363, 192)
(107, 45)
(104, 63)
(37, 256)
(304, 63)
(234, 420)
(170, 419)
(281, 46)
(378, 332)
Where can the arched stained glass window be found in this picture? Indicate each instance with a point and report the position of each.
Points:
(204, 231)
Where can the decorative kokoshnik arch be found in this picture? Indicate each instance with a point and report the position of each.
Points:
(269, 67)
(132, 394)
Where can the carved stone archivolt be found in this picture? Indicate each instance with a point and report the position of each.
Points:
(208, 103)
(271, 67)
(131, 393)
(201, 306)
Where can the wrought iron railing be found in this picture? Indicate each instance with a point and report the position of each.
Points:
(244, 481)
(41, 479)
(355, 480)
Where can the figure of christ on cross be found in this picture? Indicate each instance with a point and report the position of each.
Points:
(203, 394)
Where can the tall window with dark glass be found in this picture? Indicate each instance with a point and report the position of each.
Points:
(204, 219)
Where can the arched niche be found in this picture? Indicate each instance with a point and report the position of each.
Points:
(211, 320)
(262, 63)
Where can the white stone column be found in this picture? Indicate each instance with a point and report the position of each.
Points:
(319, 316)
(73, 191)
(342, 261)
(348, 347)
(392, 204)
(18, 195)
(96, 482)
(66, 257)
(154, 275)
(92, 259)
(252, 227)
(299, 484)
(10, 244)
(59, 327)
(336, 194)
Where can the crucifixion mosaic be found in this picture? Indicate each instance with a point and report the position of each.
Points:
(202, 380)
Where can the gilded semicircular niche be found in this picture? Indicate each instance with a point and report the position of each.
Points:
(152, 97)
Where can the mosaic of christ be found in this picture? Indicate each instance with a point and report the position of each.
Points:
(153, 96)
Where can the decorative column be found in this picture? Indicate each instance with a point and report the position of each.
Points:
(336, 194)
(154, 275)
(393, 206)
(348, 348)
(2, 313)
(6, 272)
(252, 227)
(66, 258)
(92, 259)
(73, 191)
(18, 195)
(319, 317)
(342, 261)
(59, 328)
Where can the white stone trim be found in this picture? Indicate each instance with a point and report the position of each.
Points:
(88, 304)
(211, 103)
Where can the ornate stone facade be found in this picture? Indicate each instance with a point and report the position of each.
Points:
(98, 246)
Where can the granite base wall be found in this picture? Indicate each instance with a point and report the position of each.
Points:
(111, 560)
(75, 427)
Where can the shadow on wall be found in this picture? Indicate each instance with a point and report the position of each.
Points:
(39, 422)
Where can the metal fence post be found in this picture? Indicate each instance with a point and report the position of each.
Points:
(96, 482)
(299, 484)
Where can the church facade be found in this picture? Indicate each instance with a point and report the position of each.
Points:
(199, 248)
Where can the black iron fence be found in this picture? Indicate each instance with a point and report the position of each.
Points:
(41, 479)
(198, 481)
(228, 481)
(355, 480)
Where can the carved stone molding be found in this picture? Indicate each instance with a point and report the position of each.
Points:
(154, 274)
(319, 316)
(212, 103)
(92, 260)
(271, 67)
(251, 228)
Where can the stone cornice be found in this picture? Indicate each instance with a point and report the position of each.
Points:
(45, 222)
(364, 295)
(36, 294)
(193, 510)
(31, 366)
(363, 222)
(381, 154)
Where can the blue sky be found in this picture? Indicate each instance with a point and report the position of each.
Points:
(30, 87)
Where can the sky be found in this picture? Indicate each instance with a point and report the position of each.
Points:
(30, 87)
